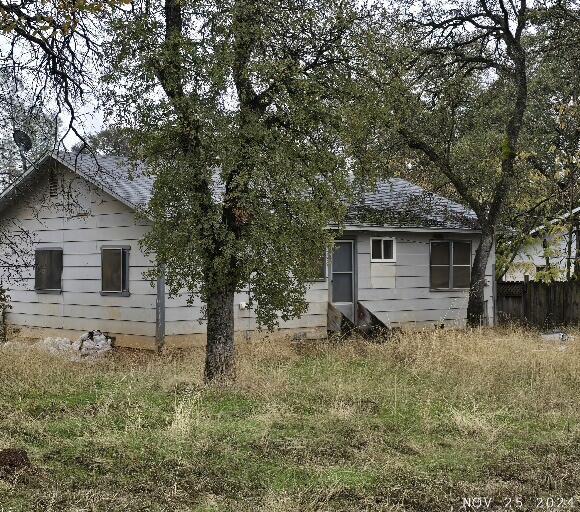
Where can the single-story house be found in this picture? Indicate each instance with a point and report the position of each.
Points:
(405, 255)
(554, 249)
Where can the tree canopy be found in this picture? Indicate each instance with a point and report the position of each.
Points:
(240, 109)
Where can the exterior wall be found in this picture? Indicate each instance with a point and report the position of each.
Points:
(533, 256)
(185, 324)
(80, 220)
(85, 218)
(399, 293)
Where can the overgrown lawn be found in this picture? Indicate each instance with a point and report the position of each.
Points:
(418, 423)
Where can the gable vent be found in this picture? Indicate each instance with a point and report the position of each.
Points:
(53, 185)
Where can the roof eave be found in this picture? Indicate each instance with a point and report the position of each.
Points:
(408, 229)
(7, 192)
(109, 191)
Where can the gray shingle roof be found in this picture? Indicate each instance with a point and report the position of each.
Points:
(394, 202)
(117, 176)
(397, 203)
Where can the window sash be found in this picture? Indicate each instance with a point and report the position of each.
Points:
(431, 277)
(376, 249)
(114, 270)
(381, 244)
(48, 269)
(455, 276)
(453, 269)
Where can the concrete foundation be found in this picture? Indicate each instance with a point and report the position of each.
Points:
(181, 341)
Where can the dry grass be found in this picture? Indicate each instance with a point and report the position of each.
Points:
(414, 424)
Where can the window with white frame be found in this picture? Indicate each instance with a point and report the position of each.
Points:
(450, 264)
(383, 250)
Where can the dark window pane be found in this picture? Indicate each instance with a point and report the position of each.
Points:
(342, 287)
(461, 277)
(48, 269)
(112, 270)
(387, 249)
(440, 277)
(440, 253)
(376, 250)
(342, 259)
(461, 253)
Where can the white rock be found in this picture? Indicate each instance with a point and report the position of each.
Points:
(84, 347)
(557, 336)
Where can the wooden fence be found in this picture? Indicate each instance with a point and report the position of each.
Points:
(544, 305)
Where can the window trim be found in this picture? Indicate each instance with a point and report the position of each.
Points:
(384, 260)
(122, 293)
(48, 291)
(450, 241)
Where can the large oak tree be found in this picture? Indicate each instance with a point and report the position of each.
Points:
(451, 92)
(238, 106)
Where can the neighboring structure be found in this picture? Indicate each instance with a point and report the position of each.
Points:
(552, 253)
(405, 255)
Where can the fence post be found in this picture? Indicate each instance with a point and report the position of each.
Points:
(565, 296)
(549, 319)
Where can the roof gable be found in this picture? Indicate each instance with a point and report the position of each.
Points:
(117, 176)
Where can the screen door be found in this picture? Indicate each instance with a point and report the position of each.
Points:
(343, 277)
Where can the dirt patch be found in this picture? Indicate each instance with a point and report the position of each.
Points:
(13, 460)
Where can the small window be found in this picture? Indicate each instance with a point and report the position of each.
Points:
(48, 270)
(382, 249)
(115, 270)
(450, 264)
(53, 185)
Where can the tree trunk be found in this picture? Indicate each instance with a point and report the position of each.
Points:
(476, 305)
(569, 274)
(220, 352)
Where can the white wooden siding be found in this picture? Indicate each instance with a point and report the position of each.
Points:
(94, 221)
(182, 319)
(399, 293)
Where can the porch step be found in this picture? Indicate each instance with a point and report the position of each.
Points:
(337, 322)
(369, 324)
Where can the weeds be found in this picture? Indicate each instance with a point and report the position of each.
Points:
(413, 424)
